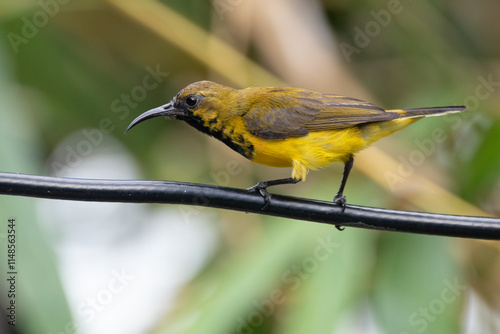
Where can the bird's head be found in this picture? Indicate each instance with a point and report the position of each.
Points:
(200, 102)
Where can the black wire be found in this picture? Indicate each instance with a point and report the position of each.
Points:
(132, 191)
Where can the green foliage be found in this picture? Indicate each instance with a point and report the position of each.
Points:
(36, 281)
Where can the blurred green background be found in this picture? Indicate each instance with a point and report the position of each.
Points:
(74, 74)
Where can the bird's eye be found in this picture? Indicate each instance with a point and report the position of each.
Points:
(191, 100)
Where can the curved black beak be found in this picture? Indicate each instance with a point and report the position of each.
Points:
(168, 110)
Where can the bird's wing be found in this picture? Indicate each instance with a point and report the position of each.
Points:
(294, 115)
(340, 112)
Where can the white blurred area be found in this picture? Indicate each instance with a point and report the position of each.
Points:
(121, 264)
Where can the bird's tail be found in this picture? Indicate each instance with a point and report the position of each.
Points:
(374, 131)
(424, 112)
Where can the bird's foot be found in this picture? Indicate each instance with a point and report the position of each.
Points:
(340, 200)
(261, 187)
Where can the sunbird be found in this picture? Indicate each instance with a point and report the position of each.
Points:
(288, 127)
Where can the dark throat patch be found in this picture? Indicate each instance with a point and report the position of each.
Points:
(234, 141)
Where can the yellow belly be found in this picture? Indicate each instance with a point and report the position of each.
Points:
(320, 148)
(315, 150)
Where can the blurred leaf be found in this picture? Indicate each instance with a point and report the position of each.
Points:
(481, 167)
(337, 285)
(418, 286)
(223, 299)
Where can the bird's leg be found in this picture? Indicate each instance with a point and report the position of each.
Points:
(261, 187)
(340, 198)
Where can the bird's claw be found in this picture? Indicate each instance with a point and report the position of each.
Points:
(340, 200)
(261, 187)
